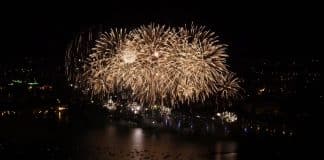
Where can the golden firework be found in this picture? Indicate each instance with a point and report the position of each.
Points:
(157, 65)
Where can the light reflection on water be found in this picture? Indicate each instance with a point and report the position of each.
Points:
(223, 151)
(81, 139)
(59, 115)
(65, 135)
(114, 142)
(110, 141)
(137, 138)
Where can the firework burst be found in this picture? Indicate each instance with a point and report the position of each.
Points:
(157, 65)
(228, 86)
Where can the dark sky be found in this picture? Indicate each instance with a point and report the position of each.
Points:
(264, 30)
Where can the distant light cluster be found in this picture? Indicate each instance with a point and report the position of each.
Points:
(228, 117)
(154, 64)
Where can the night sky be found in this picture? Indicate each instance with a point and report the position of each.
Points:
(251, 31)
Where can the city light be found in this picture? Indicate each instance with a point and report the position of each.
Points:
(135, 107)
(62, 108)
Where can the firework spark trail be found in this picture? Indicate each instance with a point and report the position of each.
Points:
(158, 65)
(76, 54)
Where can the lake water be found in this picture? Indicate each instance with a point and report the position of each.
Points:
(89, 139)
